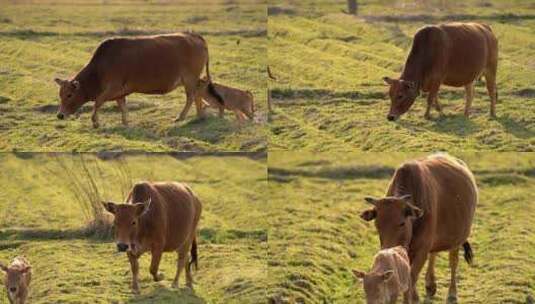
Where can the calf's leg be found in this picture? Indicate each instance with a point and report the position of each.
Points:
(469, 88)
(134, 266)
(454, 261)
(121, 103)
(155, 264)
(430, 280)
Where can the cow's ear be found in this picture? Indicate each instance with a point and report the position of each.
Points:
(388, 80)
(368, 215)
(3, 267)
(358, 274)
(109, 206)
(26, 269)
(60, 82)
(387, 275)
(75, 84)
(142, 208)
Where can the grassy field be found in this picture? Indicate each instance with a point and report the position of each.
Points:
(330, 95)
(316, 235)
(41, 219)
(46, 39)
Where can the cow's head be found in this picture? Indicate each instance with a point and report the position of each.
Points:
(71, 97)
(15, 279)
(402, 93)
(126, 223)
(374, 285)
(394, 218)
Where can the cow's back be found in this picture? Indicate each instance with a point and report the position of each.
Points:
(149, 64)
(176, 211)
(456, 200)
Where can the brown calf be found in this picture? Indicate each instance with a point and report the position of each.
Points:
(236, 100)
(454, 54)
(17, 280)
(389, 277)
(149, 65)
(429, 208)
(158, 217)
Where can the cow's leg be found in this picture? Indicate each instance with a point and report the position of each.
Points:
(155, 264)
(121, 102)
(417, 263)
(454, 261)
(94, 115)
(199, 104)
(432, 99)
(469, 89)
(182, 255)
(134, 266)
(490, 81)
(430, 281)
(221, 111)
(190, 97)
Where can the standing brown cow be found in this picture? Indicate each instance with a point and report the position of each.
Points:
(158, 217)
(17, 281)
(429, 208)
(454, 54)
(149, 64)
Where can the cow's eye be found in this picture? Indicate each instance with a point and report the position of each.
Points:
(133, 222)
(402, 224)
(400, 96)
(69, 96)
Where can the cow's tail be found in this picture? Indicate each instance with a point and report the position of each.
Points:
(468, 253)
(194, 256)
(211, 87)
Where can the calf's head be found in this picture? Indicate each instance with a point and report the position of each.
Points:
(126, 222)
(402, 93)
(375, 286)
(71, 97)
(394, 218)
(15, 279)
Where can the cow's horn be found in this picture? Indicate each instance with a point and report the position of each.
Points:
(370, 200)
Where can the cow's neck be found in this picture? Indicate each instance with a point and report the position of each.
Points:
(413, 70)
(89, 82)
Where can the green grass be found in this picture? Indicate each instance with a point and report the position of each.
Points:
(55, 39)
(316, 235)
(329, 94)
(41, 219)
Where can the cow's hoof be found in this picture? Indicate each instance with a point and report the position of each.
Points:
(452, 300)
(135, 290)
(178, 119)
(428, 300)
(96, 125)
(158, 277)
(174, 285)
(430, 291)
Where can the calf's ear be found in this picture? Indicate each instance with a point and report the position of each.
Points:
(109, 206)
(59, 81)
(3, 267)
(358, 274)
(368, 215)
(388, 80)
(26, 269)
(387, 275)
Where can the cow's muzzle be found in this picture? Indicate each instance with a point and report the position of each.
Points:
(391, 117)
(122, 247)
(60, 115)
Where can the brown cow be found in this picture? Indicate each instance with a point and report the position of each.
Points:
(158, 217)
(149, 64)
(17, 280)
(388, 278)
(454, 54)
(236, 100)
(429, 208)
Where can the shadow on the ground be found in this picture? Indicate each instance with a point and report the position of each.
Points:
(167, 295)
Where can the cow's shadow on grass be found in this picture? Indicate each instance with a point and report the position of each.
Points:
(209, 129)
(516, 128)
(455, 124)
(164, 294)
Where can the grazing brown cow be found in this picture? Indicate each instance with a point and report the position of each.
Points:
(429, 208)
(236, 100)
(149, 65)
(389, 277)
(17, 280)
(158, 217)
(454, 54)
